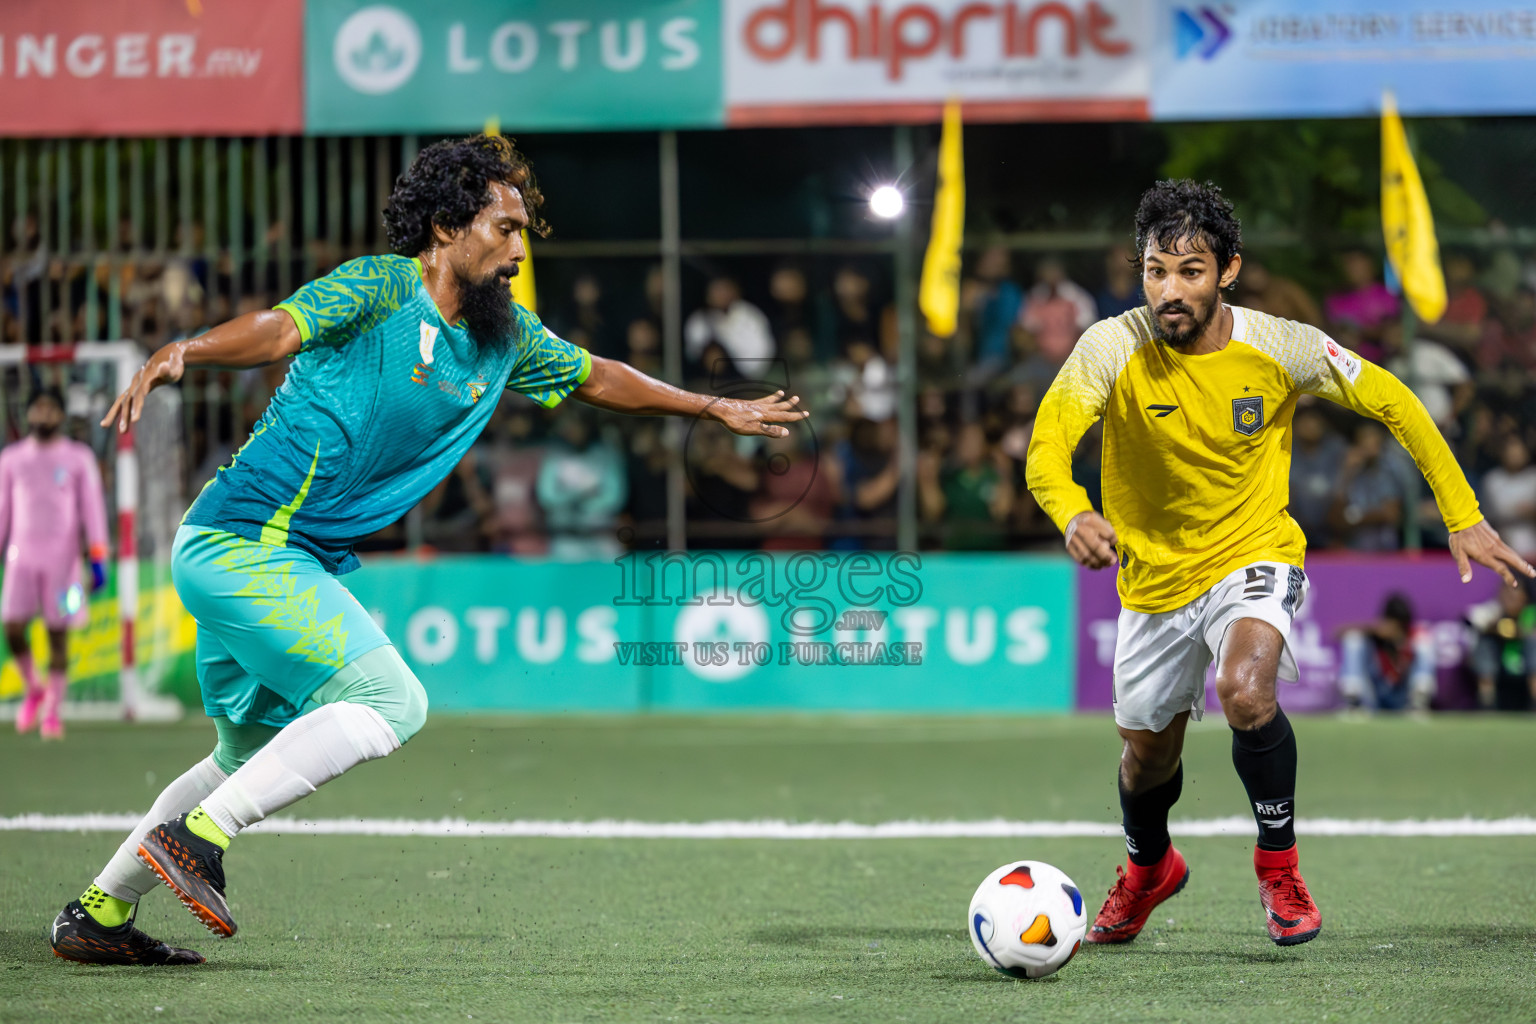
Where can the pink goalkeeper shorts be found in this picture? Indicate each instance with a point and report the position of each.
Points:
(52, 591)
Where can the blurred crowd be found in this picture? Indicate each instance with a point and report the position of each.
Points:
(577, 483)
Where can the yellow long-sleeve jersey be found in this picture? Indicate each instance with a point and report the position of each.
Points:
(1197, 448)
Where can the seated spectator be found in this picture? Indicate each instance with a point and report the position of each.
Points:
(1366, 304)
(791, 311)
(1029, 368)
(1508, 341)
(798, 493)
(1509, 496)
(974, 494)
(643, 341)
(1388, 664)
(512, 457)
(1258, 288)
(1122, 286)
(581, 487)
(1432, 372)
(854, 315)
(456, 513)
(1057, 310)
(1504, 652)
(812, 379)
(864, 384)
(721, 484)
(871, 474)
(993, 300)
(1317, 456)
(1368, 500)
(1461, 325)
(645, 512)
(738, 327)
(938, 362)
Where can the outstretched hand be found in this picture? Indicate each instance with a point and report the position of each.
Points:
(164, 367)
(1091, 541)
(759, 416)
(1480, 543)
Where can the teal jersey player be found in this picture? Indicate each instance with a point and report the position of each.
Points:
(383, 400)
(397, 364)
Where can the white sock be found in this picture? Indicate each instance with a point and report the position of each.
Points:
(300, 759)
(125, 876)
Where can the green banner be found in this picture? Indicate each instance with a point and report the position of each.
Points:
(452, 65)
(722, 630)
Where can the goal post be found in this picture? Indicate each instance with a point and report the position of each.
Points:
(93, 373)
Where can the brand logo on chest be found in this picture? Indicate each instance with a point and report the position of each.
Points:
(423, 372)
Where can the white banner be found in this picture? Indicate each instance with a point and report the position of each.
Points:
(799, 61)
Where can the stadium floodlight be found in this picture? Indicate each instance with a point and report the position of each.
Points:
(886, 202)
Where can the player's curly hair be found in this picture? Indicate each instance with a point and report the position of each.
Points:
(449, 183)
(1177, 212)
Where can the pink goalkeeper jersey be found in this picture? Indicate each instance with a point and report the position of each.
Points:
(48, 492)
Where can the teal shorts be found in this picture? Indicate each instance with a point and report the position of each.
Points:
(272, 625)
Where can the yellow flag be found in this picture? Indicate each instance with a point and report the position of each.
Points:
(939, 293)
(522, 285)
(1406, 222)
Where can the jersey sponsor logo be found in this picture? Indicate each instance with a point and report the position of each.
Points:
(1346, 361)
(421, 373)
(1248, 414)
(1161, 410)
(428, 339)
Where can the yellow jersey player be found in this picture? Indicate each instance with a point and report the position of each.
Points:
(1196, 398)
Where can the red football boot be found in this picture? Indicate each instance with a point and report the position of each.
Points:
(1288, 908)
(1136, 895)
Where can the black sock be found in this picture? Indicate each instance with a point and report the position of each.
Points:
(1145, 816)
(1265, 759)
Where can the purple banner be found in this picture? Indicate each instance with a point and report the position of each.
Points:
(1346, 589)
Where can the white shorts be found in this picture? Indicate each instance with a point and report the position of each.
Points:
(1161, 657)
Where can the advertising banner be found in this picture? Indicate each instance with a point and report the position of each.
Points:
(1345, 590)
(451, 65)
(733, 630)
(807, 61)
(1333, 58)
(148, 67)
(165, 638)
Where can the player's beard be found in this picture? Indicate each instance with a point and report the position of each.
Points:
(1196, 320)
(45, 431)
(486, 307)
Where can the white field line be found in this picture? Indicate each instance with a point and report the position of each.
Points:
(996, 828)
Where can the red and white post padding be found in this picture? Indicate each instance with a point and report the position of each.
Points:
(128, 566)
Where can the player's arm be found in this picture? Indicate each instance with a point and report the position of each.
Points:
(93, 515)
(1074, 401)
(620, 387)
(327, 311)
(1345, 378)
(5, 498)
(254, 339)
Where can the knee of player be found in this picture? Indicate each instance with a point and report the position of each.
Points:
(1246, 704)
(1156, 756)
(412, 713)
(405, 706)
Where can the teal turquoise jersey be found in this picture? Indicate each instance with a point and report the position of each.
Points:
(381, 402)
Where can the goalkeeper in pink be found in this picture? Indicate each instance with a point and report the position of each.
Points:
(50, 488)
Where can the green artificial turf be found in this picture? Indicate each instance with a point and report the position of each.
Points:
(432, 929)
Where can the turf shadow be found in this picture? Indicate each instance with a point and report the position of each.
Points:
(806, 935)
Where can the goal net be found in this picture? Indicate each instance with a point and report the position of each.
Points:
(136, 651)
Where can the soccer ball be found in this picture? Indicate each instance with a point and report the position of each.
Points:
(1027, 919)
